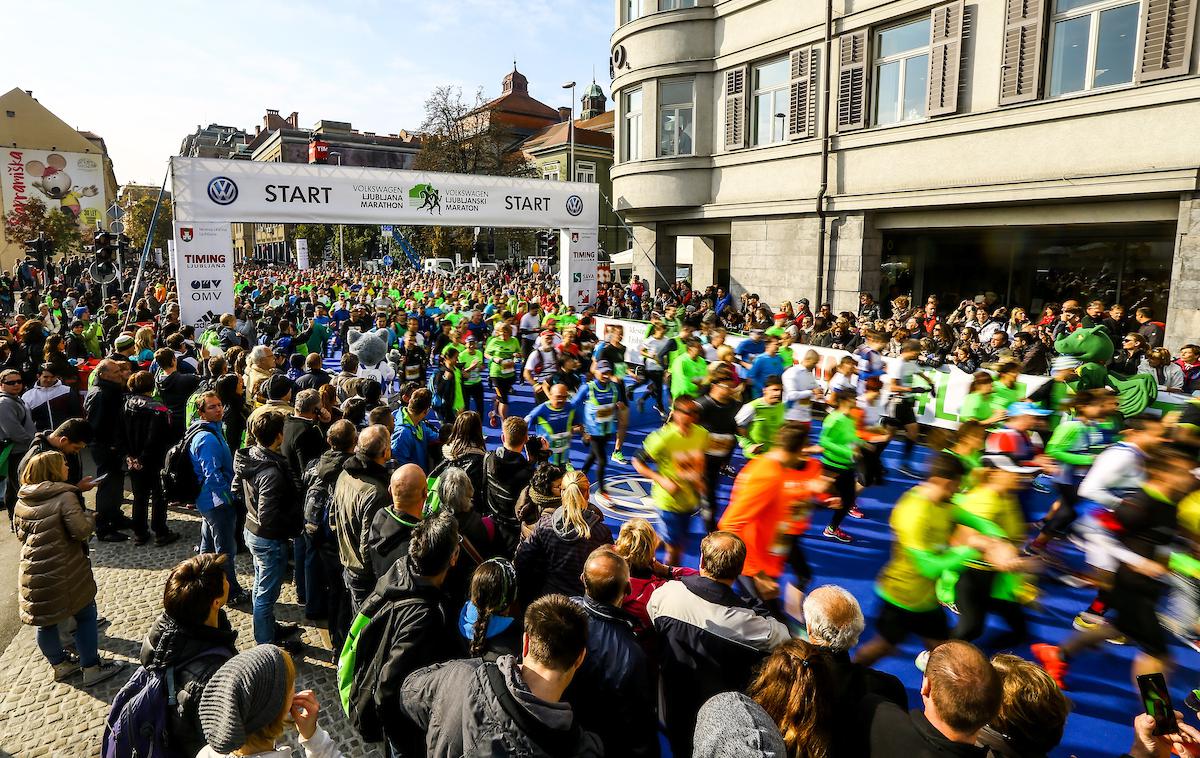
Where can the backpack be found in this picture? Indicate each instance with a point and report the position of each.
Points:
(359, 664)
(136, 726)
(178, 476)
(318, 505)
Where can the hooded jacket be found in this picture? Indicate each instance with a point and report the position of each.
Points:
(174, 391)
(196, 652)
(360, 491)
(16, 423)
(731, 725)
(303, 443)
(613, 692)
(506, 473)
(50, 406)
(54, 577)
(552, 559)
(406, 628)
(274, 510)
(469, 707)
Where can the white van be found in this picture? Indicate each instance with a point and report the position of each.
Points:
(437, 266)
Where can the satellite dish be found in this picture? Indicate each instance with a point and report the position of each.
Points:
(103, 272)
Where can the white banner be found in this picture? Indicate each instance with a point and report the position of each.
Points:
(934, 409)
(302, 254)
(204, 271)
(218, 190)
(69, 182)
(577, 266)
(158, 259)
(171, 264)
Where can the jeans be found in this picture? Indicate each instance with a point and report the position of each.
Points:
(218, 535)
(270, 564)
(87, 639)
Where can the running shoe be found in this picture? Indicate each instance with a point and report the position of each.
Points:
(922, 660)
(838, 534)
(1120, 639)
(855, 513)
(1039, 487)
(952, 607)
(1047, 657)
(1086, 621)
(619, 457)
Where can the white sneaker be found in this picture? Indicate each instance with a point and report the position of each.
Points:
(101, 672)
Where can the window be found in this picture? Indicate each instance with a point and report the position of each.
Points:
(585, 171)
(901, 72)
(631, 137)
(771, 84)
(550, 172)
(670, 5)
(675, 107)
(1092, 44)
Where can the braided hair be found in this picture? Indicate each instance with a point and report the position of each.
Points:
(493, 589)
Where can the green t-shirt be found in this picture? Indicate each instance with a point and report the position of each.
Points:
(502, 356)
(471, 366)
(454, 318)
(686, 373)
(975, 406)
(679, 458)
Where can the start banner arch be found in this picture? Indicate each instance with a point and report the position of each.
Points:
(211, 194)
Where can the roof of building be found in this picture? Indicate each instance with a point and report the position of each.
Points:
(558, 134)
(601, 123)
(515, 99)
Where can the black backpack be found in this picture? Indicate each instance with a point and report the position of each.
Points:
(318, 502)
(178, 476)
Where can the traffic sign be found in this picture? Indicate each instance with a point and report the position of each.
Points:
(388, 260)
(117, 227)
(385, 228)
(115, 212)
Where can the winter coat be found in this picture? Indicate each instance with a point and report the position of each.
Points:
(731, 725)
(360, 491)
(274, 508)
(506, 474)
(410, 442)
(213, 465)
(16, 424)
(52, 405)
(612, 692)
(254, 378)
(303, 444)
(470, 461)
(147, 427)
(387, 539)
(410, 627)
(41, 444)
(55, 574)
(195, 652)
(312, 380)
(174, 391)
(469, 707)
(552, 559)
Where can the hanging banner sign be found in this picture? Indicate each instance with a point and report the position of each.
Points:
(252, 191)
(577, 267)
(158, 259)
(302, 254)
(204, 271)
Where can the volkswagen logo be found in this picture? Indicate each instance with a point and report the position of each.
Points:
(574, 204)
(222, 190)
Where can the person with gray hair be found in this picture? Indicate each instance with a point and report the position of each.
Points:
(303, 445)
(834, 621)
(456, 497)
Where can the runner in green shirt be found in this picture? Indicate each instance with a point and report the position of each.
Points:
(688, 370)
(677, 453)
(470, 362)
(977, 405)
(502, 351)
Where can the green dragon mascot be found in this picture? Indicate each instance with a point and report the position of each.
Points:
(1087, 351)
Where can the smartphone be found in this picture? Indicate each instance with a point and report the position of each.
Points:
(1156, 698)
(99, 479)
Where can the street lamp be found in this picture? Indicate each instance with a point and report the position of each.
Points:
(571, 131)
(341, 248)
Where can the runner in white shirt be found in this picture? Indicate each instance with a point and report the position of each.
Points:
(800, 388)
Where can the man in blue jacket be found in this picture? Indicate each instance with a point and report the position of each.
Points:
(411, 438)
(213, 464)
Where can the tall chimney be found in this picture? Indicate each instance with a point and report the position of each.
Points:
(564, 113)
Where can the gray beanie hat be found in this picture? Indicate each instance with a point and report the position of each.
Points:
(246, 694)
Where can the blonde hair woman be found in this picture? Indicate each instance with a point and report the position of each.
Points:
(143, 344)
(552, 559)
(54, 577)
(639, 544)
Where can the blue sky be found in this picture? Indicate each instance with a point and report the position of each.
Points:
(144, 74)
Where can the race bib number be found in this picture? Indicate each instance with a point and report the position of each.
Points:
(605, 413)
(471, 376)
(720, 444)
(559, 443)
(412, 373)
(507, 365)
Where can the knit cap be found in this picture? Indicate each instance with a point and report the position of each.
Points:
(123, 342)
(246, 694)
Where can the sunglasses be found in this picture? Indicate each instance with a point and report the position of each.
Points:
(14, 381)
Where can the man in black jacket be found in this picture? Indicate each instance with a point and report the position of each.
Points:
(392, 528)
(961, 693)
(174, 388)
(103, 406)
(314, 377)
(319, 538)
(69, 438)
(409, 627)
(274, 514)
(303, 444)
(612, 693)
(506, 473)
(191, 638)
(147, 428)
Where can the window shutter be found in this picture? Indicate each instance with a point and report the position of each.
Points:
(945, 45)
(1167, 38)
(1024, 30)
(735, 108)
(802, 103)
(852, 81)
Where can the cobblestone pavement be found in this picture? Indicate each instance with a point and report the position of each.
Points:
(40, 718)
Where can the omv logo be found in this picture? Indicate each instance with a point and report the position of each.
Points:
(574, 205)
(222, 190)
